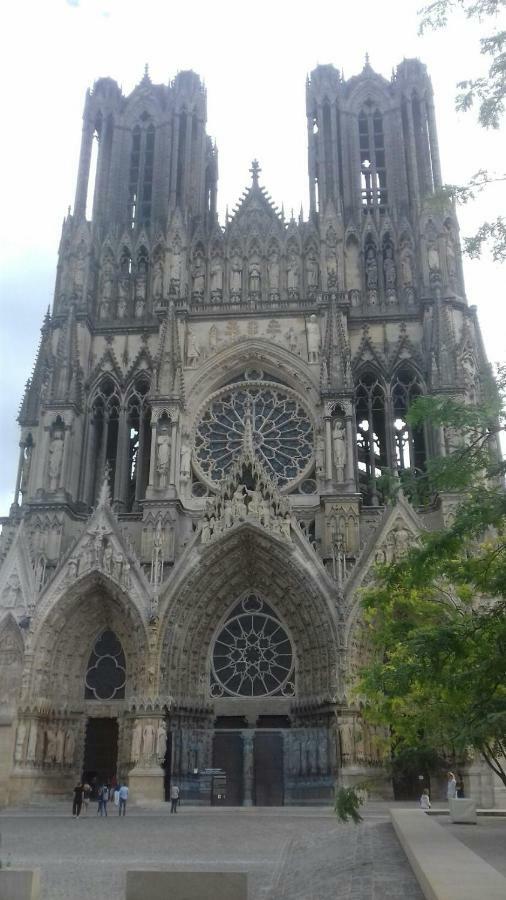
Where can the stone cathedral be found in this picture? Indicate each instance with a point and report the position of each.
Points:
(212, 406)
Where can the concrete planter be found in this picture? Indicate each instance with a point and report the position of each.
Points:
(157, 885)
(19, 884)
(463, 811)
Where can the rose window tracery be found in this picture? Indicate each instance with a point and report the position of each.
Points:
(269, 415)
(252, 654)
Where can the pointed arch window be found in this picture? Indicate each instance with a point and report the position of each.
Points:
(106, 670)
(105, 412)
(139, 442)
(371, 434)
(409, 442)
(372, 158)
(140, 185)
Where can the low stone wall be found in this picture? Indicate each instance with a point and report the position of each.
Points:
(19, 884)
(444, 867)
(149, 885)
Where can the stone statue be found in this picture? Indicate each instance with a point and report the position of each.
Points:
(68, 752)
(313, 339)
(161, 743)
(389, 270)
(60, 745)
(312, 271)
(20, 743)
(192, 349)
(25, 468)
(55, 459)
(11, 594)
(273, 271)
(433, 258)
(254, 278)
(80, 265)
(140, 305)
(292, 340)
(148, 740)
(339, 448)
(51, 745)
(175, 267)
(136, 743)
(107, 280)
(198, 276)
(186, 452)
(371, 270)
(32, 742)
(71, 569)
(107, 559)
(216, 274)
(205, 530)
(451, 259)
(123, 296)
(104, 308)
(163, 457)
(293, 274)
(406, 267)
(239, 504)
(331, 269)
(255, 503)
(213, 339)
(235, 275)
(228, 516)
(158, 280)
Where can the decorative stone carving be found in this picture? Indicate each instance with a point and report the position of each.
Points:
(293, 273)
(235, 275)
(312, 272)
(198, 275)
(273, 273)
(158, 280)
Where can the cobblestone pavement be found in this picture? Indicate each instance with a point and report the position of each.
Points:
(298, 854)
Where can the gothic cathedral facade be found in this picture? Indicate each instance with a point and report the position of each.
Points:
(199, 494)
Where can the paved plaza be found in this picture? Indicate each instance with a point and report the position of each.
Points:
(289, 854)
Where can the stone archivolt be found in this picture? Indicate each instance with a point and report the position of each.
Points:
(208, 418)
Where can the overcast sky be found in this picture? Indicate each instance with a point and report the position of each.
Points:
(254, 58)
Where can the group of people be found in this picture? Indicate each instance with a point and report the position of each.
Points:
(117, 793)
(454, 789)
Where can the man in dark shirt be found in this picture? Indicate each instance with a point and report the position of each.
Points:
(78, 801)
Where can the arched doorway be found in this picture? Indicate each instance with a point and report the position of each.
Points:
(249, 658)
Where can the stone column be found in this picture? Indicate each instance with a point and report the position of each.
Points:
(412, 161)
(247, 768)
(122, 461)
(20, 471)
(328, 448)
(349, 467)
(173, 441)
(152, 458)
(84, 169)
(434, 148)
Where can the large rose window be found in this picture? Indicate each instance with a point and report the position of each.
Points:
(270, 416)
(252, 654)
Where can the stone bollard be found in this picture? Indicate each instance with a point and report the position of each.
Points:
(169, 885)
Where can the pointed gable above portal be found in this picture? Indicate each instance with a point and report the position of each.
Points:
(255, 213)
(102, 549)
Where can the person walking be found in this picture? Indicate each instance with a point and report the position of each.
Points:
(77, 801)
(103, 797)
(123, 797)
(460, 785)
(86, 797)
(174, 798)
(451, 787)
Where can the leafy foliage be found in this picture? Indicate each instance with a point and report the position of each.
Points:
(438, 616)
(348, 802)
(488, 93)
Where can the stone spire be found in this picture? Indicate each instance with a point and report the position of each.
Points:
(169, 367)
(442, 363)
(336, 356)
(36, 386)
(67, 382)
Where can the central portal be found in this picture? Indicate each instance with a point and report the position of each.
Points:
(100, 751)
(230, 753)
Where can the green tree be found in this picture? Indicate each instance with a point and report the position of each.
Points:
(437, 618)
(487, 93)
